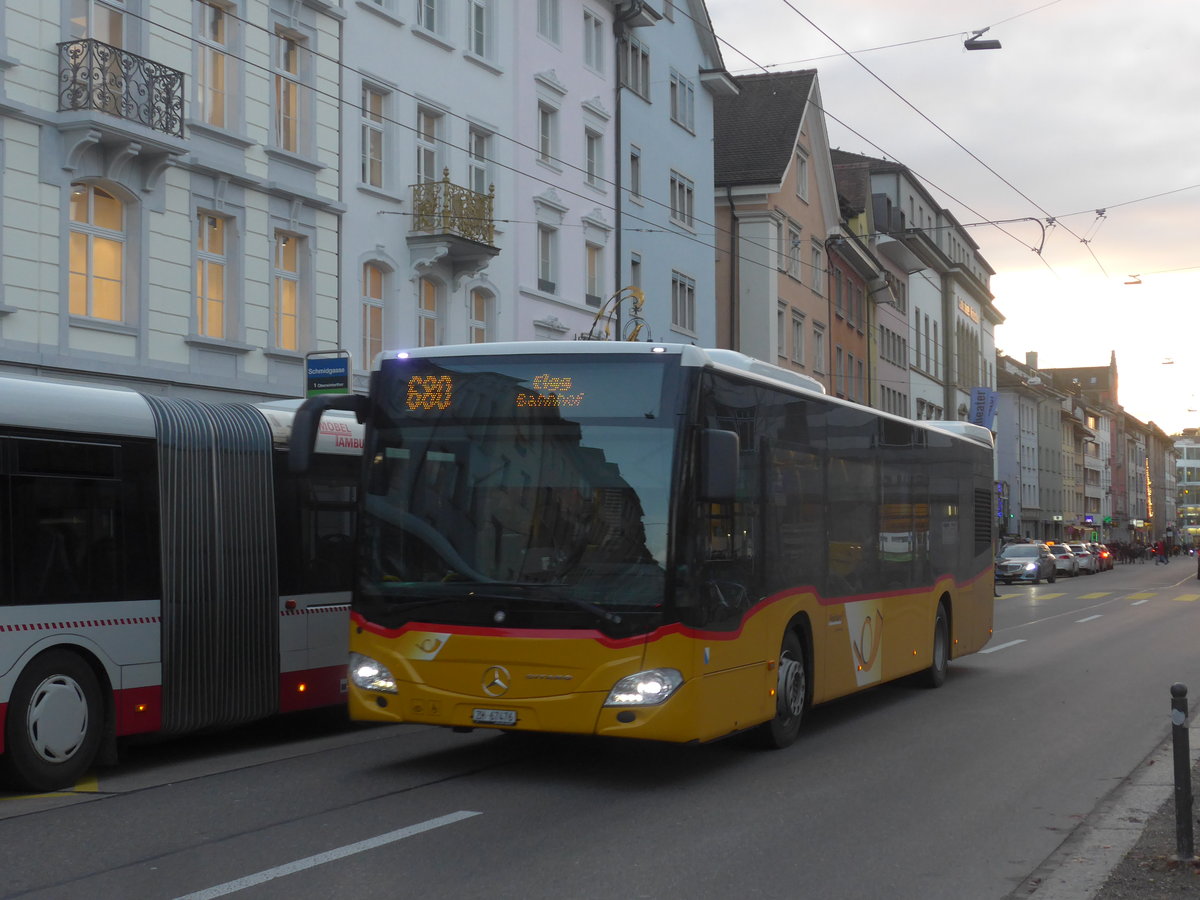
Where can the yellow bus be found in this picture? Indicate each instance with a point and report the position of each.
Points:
(649, 541)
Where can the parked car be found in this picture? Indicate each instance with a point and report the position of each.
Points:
(1025, 562)
(1087, 562)
(1065, 560)
(1105, 556)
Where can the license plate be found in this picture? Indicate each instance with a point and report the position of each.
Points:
(494, 716)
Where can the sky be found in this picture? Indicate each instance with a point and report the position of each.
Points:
(1088, 117)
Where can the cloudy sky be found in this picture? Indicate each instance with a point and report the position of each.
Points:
(1089, 115)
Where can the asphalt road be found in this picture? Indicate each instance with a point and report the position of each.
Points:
(900, 792)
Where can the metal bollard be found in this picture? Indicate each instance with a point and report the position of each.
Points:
(1184, 844)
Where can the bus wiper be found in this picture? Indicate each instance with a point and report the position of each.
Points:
(545, 596)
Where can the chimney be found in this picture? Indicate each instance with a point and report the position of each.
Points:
(1031, 359)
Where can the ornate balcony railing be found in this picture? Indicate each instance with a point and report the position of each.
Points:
(440, 207)
(96, 76)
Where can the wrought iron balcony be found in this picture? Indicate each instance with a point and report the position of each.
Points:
(443, 208)
(95, 76)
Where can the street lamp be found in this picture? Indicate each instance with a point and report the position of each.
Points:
(974, 43)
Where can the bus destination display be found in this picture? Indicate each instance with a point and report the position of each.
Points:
(436, 392)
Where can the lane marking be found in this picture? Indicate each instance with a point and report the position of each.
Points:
(1149, 596)
(1095, 596)
(1187, 598)
(1139, 602)
(1050, 596)
(1088, 619)
(319, 859)
(88, 784)
(1002, 646)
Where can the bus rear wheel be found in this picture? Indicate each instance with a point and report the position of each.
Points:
(54, 724)
(791, 696)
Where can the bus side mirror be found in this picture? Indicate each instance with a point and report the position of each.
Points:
(718, 466)
(308, 421)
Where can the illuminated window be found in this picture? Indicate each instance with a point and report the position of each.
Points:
(289, 92)
(97, 253)
(372, 312)
(211, 268)
(373, 101)
(213, 62)
(429, 313)
(479, 326)
(286, 312)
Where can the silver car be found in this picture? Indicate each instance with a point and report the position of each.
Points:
(1025, 562)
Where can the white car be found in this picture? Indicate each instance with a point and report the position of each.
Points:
(1088, 561)
(1065, 561)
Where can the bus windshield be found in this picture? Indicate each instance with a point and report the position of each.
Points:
(530, 493)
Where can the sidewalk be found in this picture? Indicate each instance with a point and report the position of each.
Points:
(1126, 848)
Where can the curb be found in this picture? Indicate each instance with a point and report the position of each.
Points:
(1078, 869)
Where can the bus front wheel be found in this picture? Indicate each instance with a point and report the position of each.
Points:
(935, 675)
(54, 724)
(791, 696)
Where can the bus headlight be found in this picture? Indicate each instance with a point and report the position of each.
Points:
(648, 688)
(370, 675)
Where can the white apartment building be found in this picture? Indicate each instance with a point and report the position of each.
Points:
(170, 192)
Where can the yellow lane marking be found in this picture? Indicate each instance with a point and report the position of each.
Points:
(1141, 596)
(1187, 598)
(1049, 596)
(86, 785)
(1095, 596)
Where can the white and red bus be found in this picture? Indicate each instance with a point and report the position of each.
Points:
(160, 571)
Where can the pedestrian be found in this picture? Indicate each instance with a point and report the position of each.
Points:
(1160, 553)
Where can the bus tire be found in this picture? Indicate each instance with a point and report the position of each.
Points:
(935, 675)
(791, 696)
(54, 725)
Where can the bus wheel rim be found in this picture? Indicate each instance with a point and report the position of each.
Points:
(791, 686)
(57, 718)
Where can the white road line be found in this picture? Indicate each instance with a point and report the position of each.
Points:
(300, 865)
(1088, 619)
(1139, 602)
(1002, 646)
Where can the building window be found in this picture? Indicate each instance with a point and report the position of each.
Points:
(429, 125)
(479, 148)
(593, 41)
(372, 136)
(836, 290)
(211, 267)
(793, 257)
(683, 102)
(780, 333)
(593, 145)
(801, 175)
(818, 362)
(547, 258)
(682, 195)
(839, 371)
(547, 25)
(479, 25)
(635, 67)
(429, 313)
(594, 289)
(683, 302)
(635, 172)
(818, 269)
(547, 133)
(372, 313)
(480, 318)
(213, 76)
(287, 291)
(429, 15)
(289, 92)
(798, 338)
(97, 254)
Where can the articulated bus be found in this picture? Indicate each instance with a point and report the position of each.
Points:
(649, 541)
(160, 570)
